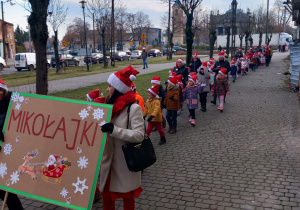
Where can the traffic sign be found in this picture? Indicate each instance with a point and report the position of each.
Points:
(64, 44)
(194, 42)
(143, 42)
(143, 36)
(131, 43)
(194, 37)
(131, 38)
(162, 43)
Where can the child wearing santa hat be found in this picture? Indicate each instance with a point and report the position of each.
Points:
(153, 112)
(195, 63)
(191, 92)
(221, 88)
(262, 59)
(161, 93)
(244, 65)
(181, 90)
(172, 103)
(233, 70)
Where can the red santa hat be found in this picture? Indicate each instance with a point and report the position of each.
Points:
(223, 50)
(232, 63)
(173, 75)
(221, 54)
(153, 90)
(204, 64)
(100, 100)
(93, 94)
(3, 85)
(133, 87)
(223, 71)
(172, 81)
(179, 60)
(155, 80)
(179, 77)
(212, 59)
(195, 54)
(55, 157)
(193, 79)
(121, 80)
(192, 74)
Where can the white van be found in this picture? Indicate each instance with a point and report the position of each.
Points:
(25, 61)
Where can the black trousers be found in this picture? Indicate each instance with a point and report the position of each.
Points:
(192, 113)
(13, 202)
(203, 100)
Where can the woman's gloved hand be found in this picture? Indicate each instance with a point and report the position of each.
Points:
(107, 127)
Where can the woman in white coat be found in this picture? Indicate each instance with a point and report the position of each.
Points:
(116, 181)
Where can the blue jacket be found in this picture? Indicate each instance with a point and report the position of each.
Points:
(233, 70)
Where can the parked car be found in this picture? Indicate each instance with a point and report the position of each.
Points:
(154, 53)
(2, 63)
(73, 52)
(95, 58)
(128, 52)
(65, 60)
(165, 51)
(177, 48)
(121, 56)
(137, 54)
(27, 61)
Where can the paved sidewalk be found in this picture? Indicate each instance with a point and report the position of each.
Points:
(244, 158)
(79, 82)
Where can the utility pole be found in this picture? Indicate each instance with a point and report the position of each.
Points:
(112, 33)
(169, 55)
(94, 39)
(3, 32)
(284, 20)
(267, 22)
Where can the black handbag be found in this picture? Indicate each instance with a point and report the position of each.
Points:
(138, 156)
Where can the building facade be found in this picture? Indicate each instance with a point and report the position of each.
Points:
(178, 24)
(9, 46)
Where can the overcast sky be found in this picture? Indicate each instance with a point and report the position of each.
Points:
(154, 8)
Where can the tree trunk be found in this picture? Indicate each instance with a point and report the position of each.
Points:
(55, 45)
(103, 48)
(246, 42)
(227, 42)
(189, 38)
(171, 46)
(212, 40)
(241, 40)
(39, 34)
(260, 40)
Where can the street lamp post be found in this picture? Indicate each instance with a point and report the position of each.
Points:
(86, 51)
(250, 36)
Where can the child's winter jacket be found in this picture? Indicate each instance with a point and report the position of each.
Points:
(152, 108)
(172, 98)
(233, 70)
(221, 85)
(191, 95)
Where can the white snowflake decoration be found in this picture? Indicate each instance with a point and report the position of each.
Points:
(7, 149)
(83, 186)
(64, 192)
(102, 123)
(14, 177)
(15, 97)
(83, 114)
(18, 106)
(82, 162)
(79, 150)
(98, 114)
(3, 170)
(21, 99)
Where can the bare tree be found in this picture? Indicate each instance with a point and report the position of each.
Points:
(212, 32)
(57, 15)
(102, 11)
(260, 18)
(188, 7)
(121, 22)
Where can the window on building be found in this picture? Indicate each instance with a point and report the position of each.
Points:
(176, 11)
(220, 30)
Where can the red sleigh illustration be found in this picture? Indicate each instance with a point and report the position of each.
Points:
(53, 173)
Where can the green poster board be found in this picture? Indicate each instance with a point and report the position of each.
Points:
(53, 149)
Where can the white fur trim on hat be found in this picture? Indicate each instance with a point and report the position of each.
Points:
(132, 77)
(221, 73)
(114, 81)
(88, 97)
(190, 79)
(3, 86)
(152, 92)
(52, 156)
(171, 83)
(156, 81)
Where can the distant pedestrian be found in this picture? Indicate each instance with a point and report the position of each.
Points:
(221, 88)
(279, 48)
(220, 48)
(238, 54)
(153, 112)
(190, 95)
(268, 56)
(172, 103)
(145, 56)
(283, 48)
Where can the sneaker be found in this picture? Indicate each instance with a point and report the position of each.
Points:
(162, 140)
(193, 122)
(173, 130)
(213, 102)
(190, 120)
